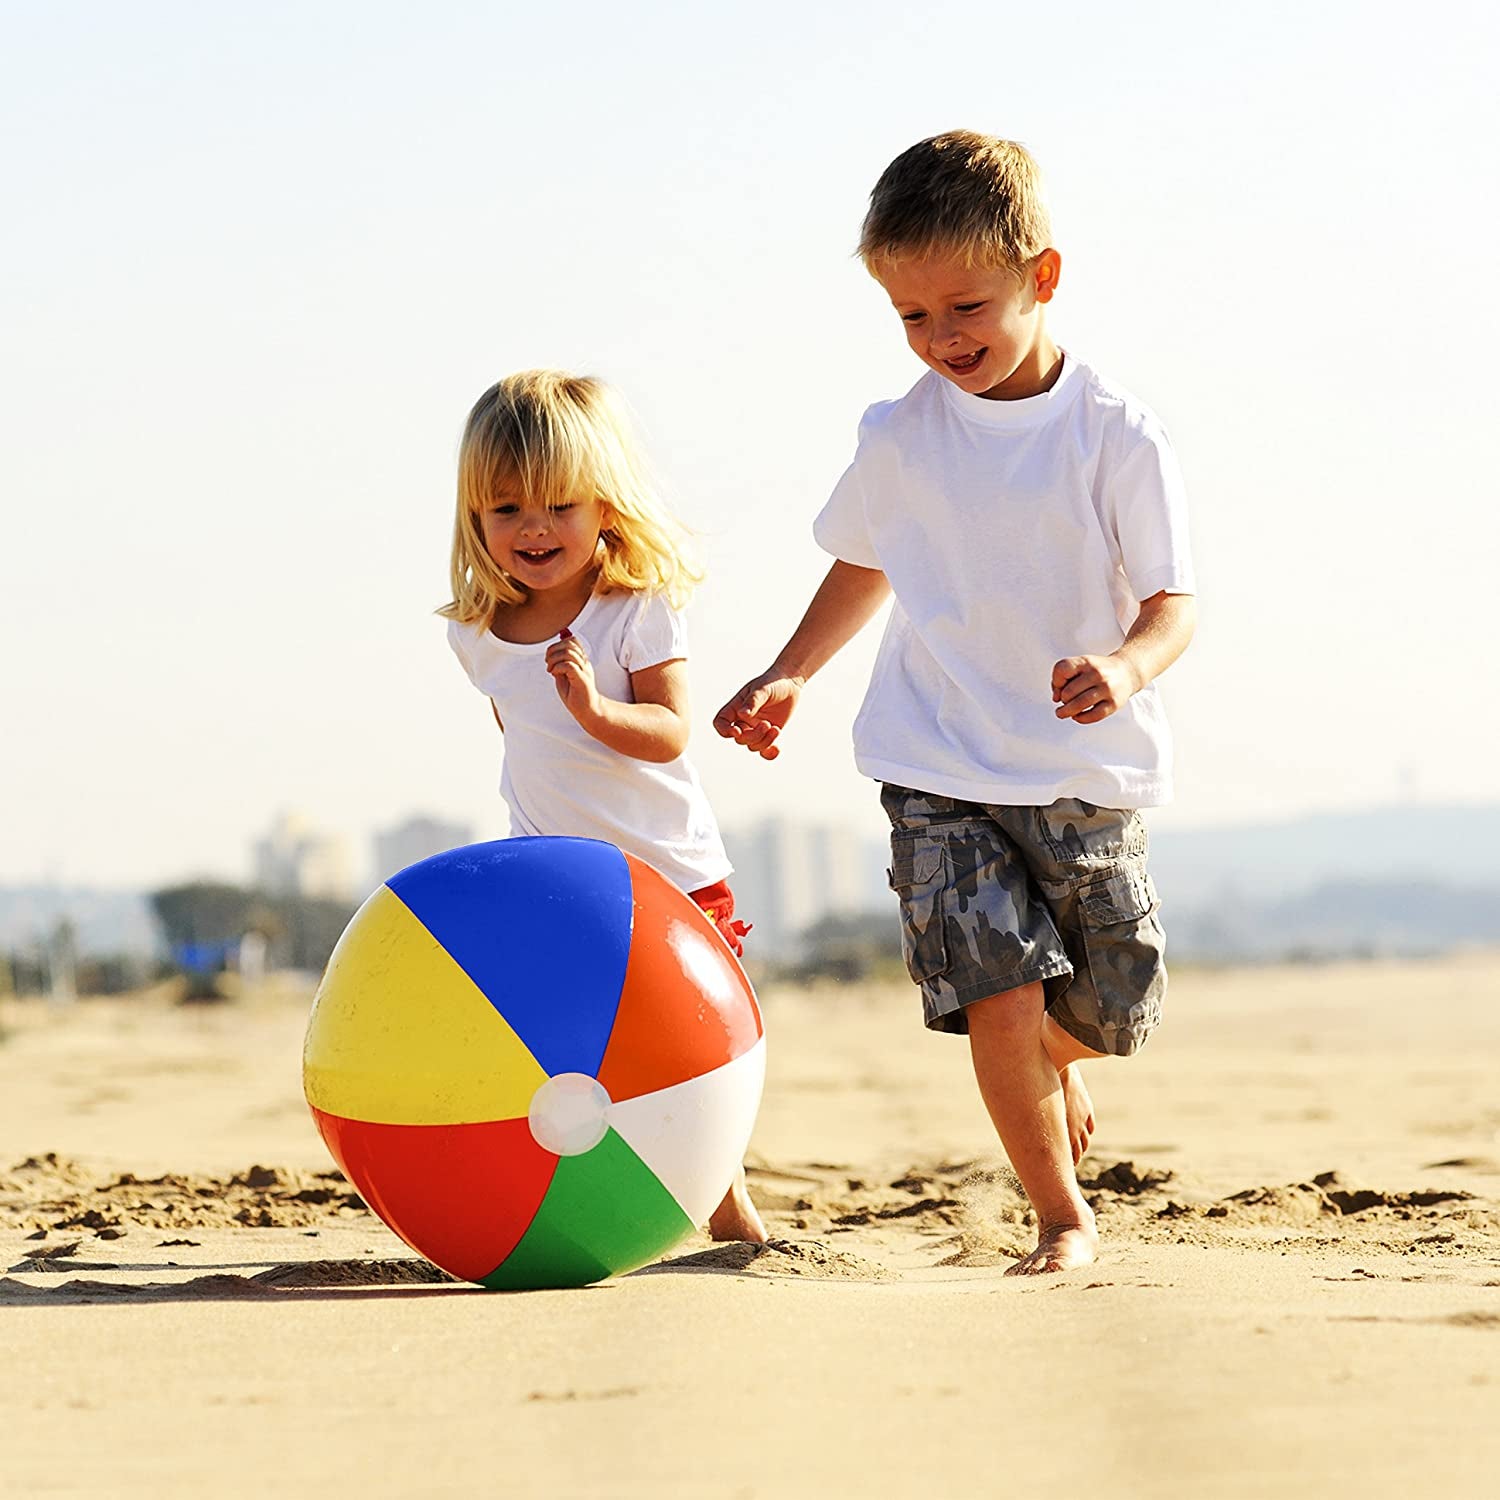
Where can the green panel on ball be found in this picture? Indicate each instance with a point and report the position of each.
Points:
(606, 1213)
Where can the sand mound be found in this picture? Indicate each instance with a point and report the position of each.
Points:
(294, 1277)
(1326, 1211)
(780, 1257)
(943, 1212)
(51, 1192)
(978, 1216)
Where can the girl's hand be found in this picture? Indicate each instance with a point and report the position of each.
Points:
(573, 673)
(1091, 688)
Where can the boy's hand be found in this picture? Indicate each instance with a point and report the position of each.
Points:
(1091, 688)
(759, 711)
(573, 673)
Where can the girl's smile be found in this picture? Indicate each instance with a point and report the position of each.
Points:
(544, 547)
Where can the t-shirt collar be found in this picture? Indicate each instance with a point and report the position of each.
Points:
(1031, 411)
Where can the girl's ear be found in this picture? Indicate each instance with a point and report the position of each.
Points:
(606, 517)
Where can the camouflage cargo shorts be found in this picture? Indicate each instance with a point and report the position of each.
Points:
(996, 897)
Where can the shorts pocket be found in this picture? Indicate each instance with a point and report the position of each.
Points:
(1124, 952)
(1122, 896)
(916, 876)
(1080, 834)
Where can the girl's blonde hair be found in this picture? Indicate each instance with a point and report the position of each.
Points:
(547, 437)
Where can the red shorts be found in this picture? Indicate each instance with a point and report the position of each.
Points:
(717, 902)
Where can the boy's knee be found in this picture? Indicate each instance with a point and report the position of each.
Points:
(1011, 1013)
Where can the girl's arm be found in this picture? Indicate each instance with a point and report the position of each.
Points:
(653, 728)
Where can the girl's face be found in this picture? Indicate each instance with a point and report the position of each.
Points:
(541, 548)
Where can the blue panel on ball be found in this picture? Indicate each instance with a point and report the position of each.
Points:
(542, 926)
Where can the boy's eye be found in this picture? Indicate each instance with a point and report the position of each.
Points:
(967, 307)
(912, 317)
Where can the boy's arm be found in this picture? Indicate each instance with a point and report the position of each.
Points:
(843, 605)
(653, 728)
(1091, 688)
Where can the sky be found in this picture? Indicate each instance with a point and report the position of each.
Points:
(259, 262)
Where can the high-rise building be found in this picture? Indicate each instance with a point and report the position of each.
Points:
(295, 860)
(789, 875)
(416, 838)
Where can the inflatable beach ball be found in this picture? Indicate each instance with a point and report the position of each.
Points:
(536, 1060)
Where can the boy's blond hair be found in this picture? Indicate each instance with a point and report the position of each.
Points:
(959, 193)
(547, 437)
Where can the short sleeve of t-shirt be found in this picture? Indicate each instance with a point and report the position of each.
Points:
(654, 633)
(456, 641)
(1145, 505)
(841, 527)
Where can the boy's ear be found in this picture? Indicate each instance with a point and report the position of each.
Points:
(1046, 273)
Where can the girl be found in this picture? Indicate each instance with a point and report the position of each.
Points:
(565, 567)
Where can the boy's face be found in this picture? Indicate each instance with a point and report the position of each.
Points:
(980, 327)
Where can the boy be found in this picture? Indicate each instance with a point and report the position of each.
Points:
(1029, 518)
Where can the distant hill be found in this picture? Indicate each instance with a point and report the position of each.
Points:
(1338, 919)
(107, 921)
(1457, 846)
(1392, 880)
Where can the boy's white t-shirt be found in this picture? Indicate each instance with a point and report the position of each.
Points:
(557, 779)
(1013, 533)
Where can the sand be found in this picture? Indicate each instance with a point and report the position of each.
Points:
(1298, 1184)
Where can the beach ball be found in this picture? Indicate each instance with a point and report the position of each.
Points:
(536, 1060)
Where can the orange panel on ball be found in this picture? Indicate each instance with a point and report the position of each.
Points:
(686, 1006)
(462, 1195)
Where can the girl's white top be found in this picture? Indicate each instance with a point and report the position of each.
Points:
(557, 779)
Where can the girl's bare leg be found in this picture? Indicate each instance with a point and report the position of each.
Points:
(736, 1217)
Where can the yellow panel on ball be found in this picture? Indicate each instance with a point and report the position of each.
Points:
(400, 1035)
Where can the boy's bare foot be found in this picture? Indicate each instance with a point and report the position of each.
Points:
(1079, 1108)
(1060, 1247)
(736, 1218)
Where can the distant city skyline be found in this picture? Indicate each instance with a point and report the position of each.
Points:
(1391, 879)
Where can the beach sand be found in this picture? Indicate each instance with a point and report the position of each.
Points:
(1298, 1187)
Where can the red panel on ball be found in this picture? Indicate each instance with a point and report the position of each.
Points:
(462, 1195)
(686, 1006)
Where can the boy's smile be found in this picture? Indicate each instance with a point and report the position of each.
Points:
(980, 327)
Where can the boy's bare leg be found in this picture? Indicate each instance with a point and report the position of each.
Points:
(1066, 1052)
(1023, 1092)
(736, 1217)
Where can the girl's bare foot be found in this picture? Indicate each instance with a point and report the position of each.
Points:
(1079, 1108)
(736, 1217)
(1060, 1247)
